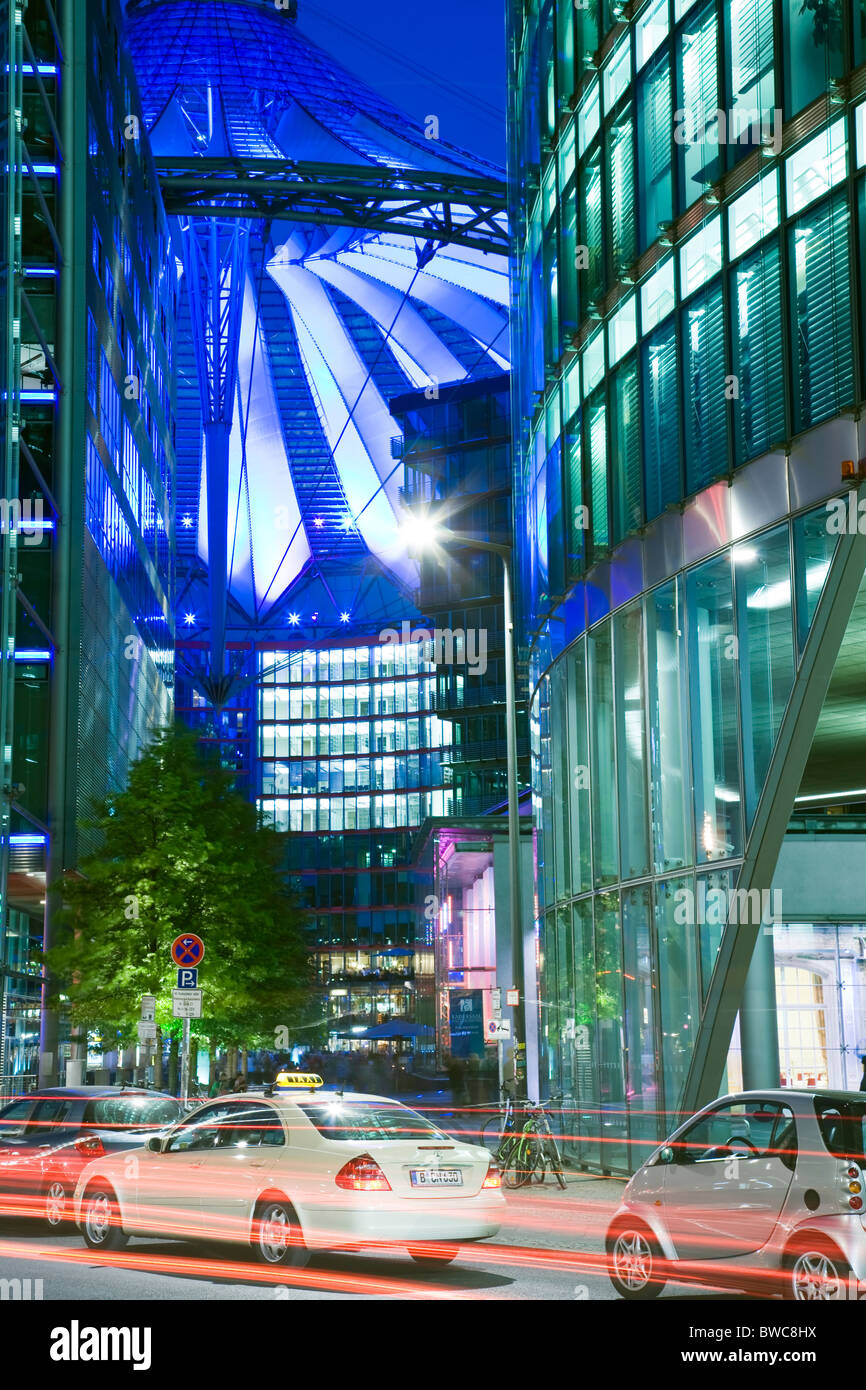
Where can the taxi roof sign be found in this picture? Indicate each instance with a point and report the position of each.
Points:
(297, 1081)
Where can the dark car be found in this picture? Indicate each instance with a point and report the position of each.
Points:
(47, 1138)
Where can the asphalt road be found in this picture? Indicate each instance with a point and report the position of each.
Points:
(550, 1248)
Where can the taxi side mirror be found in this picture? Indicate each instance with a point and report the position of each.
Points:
(154, 1144)
(665, 1155)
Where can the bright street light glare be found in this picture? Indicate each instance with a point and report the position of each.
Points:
(420, 533)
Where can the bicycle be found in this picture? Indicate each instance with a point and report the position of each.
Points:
(548, 1155)
(523, 1151)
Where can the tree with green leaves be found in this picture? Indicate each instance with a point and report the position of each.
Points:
(183, 851)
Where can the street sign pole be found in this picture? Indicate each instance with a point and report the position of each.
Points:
(184, 1062)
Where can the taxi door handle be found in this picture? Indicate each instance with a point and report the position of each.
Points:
(257, 1163)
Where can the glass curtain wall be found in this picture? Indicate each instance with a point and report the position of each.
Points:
(639, 730)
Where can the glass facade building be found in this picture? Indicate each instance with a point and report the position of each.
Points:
(350, 753)
(688, 185)
(88, 299)
(457, 459)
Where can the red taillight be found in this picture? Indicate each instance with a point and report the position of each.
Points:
(90, 1148)
(855, 1203)
(494, 1177)
(363, 1175)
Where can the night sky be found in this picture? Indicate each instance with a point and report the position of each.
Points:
(460, 41)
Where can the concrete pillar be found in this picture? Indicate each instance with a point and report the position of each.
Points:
(759, 1035)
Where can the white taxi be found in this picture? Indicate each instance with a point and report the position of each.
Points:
(293, 1169)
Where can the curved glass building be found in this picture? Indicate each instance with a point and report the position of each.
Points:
(335, 320)
(688, 200)
(331, 722)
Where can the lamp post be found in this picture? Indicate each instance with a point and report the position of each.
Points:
(423, 536)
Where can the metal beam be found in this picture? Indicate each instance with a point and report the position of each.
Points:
(457, 209)
(215, 253)
(775, 806)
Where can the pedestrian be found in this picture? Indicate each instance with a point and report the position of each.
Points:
(215, 1084)
(240, 1082)
(863, 1077)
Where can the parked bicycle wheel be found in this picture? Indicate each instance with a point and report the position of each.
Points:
(491, 1134)
(554, 1161)
(523, 1158)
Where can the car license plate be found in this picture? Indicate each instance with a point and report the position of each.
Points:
(436, 1177)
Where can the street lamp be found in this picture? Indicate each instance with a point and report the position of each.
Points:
(423, 533)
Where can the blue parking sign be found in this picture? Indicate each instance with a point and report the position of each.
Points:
(187, 978)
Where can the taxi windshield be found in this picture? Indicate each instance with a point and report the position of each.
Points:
(364, 1122)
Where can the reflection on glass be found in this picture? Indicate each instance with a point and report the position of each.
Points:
(578, 757)
(630, 741)
(610, 1048)
(712, 902)
(640, 1021)
(766, 651)
(668, 724)
(678, 987)
(603, 781)
(813, 550)
(713, 661)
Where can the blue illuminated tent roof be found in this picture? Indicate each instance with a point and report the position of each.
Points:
(335, 323)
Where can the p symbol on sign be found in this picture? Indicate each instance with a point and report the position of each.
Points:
(187, 979)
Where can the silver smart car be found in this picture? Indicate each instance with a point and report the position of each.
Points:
(761, 1191)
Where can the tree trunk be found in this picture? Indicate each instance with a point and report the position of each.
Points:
(245, 1064)
(157, 1061)
(172, 1067)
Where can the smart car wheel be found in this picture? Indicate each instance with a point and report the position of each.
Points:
(56, 1212)
(817, 1273)
(633, 1262)
(434, 1255)
(277, 1236)
(101, 1220)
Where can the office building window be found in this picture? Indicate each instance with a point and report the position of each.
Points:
(756, 337)
(655, 190)
(821, 313)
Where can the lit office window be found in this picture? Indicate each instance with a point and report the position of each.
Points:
(655, 192)
(756, 336)
(817, 167)
(593, 361)
(620, 154)
(660, 415)
(860, 120)
(575, 528)
(617, 74)
(752, 79)
(696, 131)
(821, 313)
(651, 27)
(703, 346)
(597, 418)
(812, 39)
(588, 118)
(622, 331)
(590, 204)
(657, 298)
(625, 451)
(701, 257)
(754, 215)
